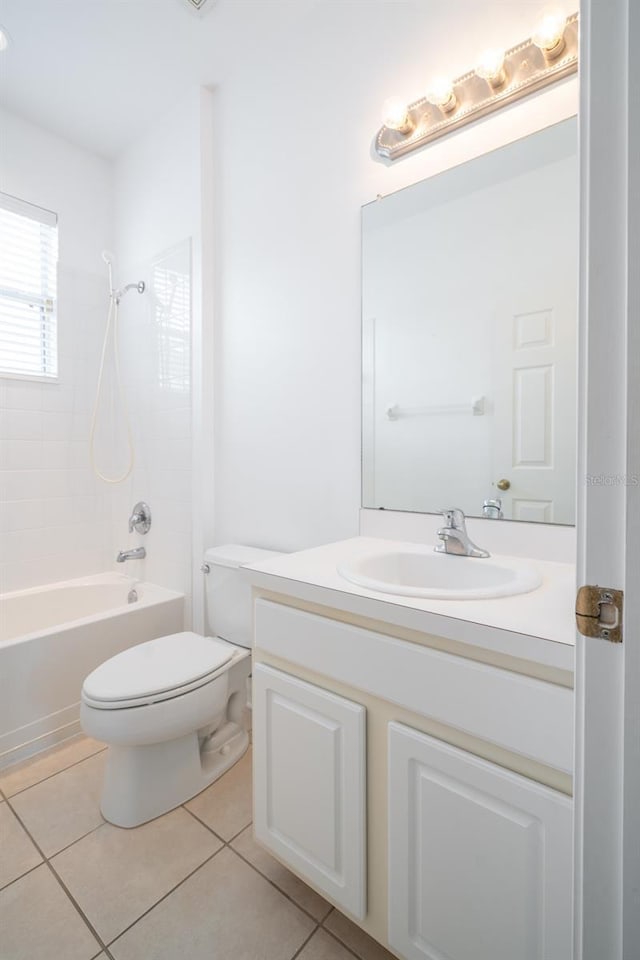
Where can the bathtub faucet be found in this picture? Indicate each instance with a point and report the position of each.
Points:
(138, 553)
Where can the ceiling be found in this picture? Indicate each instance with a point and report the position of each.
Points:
(98, 71)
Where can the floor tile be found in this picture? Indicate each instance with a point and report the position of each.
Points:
(39, 922)
(115, 874)
(225, 911)
(24, 775)
(324, 947)
(355, 938)
(225, 806)
(65, 807)
(299, 892)
(18, 852)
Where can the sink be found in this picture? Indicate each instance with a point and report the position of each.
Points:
(440, 576)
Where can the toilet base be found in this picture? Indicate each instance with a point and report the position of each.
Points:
(143, 782)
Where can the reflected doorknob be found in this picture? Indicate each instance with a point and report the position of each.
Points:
(503, 484)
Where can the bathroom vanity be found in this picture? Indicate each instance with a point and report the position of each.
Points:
(413, 757)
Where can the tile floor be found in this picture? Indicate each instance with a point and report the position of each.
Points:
(191, 885)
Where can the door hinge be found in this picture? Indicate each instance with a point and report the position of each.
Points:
(599, 613)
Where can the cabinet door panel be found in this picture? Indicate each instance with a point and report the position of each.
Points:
(309, 783)
(480, 858)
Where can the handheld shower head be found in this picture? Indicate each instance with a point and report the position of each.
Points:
(108, 257)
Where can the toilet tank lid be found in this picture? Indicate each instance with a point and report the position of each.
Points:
(235, 555)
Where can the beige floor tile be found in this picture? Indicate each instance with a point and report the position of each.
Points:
(299, 892)
(18, 854)
(39, 922)
(324, 947)
(356, 939)
(115, 874)
(226, 806)
(65, 807)
(225, 911)
(46, 764)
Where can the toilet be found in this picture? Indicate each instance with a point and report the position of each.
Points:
(173, 709)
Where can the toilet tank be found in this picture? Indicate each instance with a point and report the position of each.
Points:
(228, 594)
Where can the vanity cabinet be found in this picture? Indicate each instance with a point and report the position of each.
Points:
(309, 783)
(480, 859)
(469, 846)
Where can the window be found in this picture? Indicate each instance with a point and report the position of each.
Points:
(28, 290)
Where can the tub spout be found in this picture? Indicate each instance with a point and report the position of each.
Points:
(138, 553)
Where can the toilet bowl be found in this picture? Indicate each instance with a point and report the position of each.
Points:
(174, 710)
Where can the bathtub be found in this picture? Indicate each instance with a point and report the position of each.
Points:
(51, 637)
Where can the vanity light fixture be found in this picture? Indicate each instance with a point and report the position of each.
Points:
(491, 68)
(395, 115)
(441, 94)
(549, 34)
(500, 78)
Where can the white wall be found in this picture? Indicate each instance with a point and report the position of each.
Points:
(53, 512)
(294, 123)
(158, 211)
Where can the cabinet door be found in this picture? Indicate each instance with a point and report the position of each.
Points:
(309, 783)
(480, 859)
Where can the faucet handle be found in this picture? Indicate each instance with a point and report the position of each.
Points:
(454, 517)
(140, 519)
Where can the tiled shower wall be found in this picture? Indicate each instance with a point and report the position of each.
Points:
(53, 511)
(54, 514)
(156, 339)
(57, 520)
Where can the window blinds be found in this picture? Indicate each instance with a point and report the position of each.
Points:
(28, 289)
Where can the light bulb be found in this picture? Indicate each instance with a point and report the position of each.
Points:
(491, 67)
(396, 116)
(4, 40)
(441, 94)
(549, 34)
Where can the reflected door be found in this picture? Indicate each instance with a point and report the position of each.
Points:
(534, 435)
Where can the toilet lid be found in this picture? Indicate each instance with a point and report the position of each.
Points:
(157, 666)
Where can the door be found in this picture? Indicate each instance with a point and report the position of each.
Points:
(534, 366)
(480, 859)
(607, 782)
(309, 776)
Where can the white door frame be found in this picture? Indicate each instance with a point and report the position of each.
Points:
(607, 783)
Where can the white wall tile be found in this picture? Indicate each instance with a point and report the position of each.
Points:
(21, 515)
(21, 424)
(21, 454)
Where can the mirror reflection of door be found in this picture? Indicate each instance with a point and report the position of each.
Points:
(535, 359)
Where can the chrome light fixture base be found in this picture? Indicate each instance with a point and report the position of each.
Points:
(527, 70)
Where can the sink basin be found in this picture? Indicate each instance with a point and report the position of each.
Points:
(440, 576)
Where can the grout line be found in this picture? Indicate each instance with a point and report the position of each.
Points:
(165, 895)
(25, 874)
(36, 844)
(77, 840)
(47, 863)
(52, 775)
(203, 824)
(235, 836)
(27, 831)
(344, 945)
(279, 889)
(77, 906)
(305, 942)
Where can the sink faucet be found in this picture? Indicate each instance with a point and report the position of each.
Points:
(454, 536)
(138, 553)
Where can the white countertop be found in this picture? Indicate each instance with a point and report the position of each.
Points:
(537, 626)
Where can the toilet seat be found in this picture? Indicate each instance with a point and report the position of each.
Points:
(157, 670)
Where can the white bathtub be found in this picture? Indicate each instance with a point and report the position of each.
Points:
(51, 637)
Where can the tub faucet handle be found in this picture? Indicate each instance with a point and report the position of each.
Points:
(140, 519)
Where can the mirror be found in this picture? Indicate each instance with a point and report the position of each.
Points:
(469, 299)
